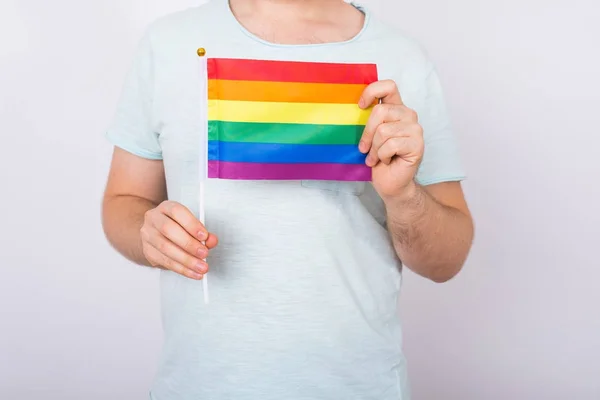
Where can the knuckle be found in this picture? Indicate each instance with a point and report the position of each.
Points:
(394, 145)
(164, 206)
(144, 234)
(367, 138)
(163, 246)
(385, 131)
(169, 264)
(190, 244)
(419, 130)
(412, 114)
(150, 256)
(164, 226)
(167, 203)
(160, 225)
(175, 207)
(379, 110)
(178, 213)
(148, 216)
(172, 209)
(146, 252)
(189, 262)
(385, 152)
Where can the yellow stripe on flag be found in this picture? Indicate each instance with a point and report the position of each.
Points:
(294, 113)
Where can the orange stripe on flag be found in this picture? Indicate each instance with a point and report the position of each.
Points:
(285, 92)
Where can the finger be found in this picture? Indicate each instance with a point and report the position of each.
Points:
(383, 133)
(184, 217)
(212, 241)
(381, 113)
(174, 252)
(176, 234)
(167, 263)
(386, 90)
(408, 148)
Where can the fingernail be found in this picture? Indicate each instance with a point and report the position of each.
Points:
(201, 267)
(361, 103)
(368, 161)
(362, 146)
(202, 235)
(202, 253)
(197, 276)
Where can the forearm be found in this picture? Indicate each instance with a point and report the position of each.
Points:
(122, 218)
(431, 239)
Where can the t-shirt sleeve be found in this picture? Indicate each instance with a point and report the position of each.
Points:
(441, 159)
(132, 128)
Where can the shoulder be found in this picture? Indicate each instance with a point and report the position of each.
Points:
(396, 45)
(401, 58)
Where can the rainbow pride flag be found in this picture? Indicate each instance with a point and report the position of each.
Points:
(283, 120)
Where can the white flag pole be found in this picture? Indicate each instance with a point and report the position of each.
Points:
(202, 218)
(203, 153)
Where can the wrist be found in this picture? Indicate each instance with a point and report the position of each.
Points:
(408, 206)
(408, 194)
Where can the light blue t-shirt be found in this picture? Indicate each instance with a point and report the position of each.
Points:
(305, 280)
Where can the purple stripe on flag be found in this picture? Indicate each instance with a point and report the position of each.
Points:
(299, 171)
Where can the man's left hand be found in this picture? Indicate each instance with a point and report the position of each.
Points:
(393, 140)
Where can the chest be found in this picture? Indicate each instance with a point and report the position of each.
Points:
(304, 31)
(181, 99)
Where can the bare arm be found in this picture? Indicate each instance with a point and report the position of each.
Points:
(432, 229)
(144, 226)
(431, 226)
(135, 186)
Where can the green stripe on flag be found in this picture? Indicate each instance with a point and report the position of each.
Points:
(256, 132)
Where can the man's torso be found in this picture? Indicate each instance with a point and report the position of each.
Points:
(304, 282)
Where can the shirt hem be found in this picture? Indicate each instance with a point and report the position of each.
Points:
(132, 148)
(441, 179)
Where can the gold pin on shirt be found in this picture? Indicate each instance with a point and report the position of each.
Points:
(201, 52)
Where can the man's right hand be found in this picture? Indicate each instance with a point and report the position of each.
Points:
(174, 239)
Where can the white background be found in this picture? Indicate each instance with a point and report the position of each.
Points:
(521, 322)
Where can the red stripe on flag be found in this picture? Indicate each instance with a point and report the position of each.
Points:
(290, 71)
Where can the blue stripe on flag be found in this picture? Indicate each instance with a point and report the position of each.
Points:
(284, 153)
